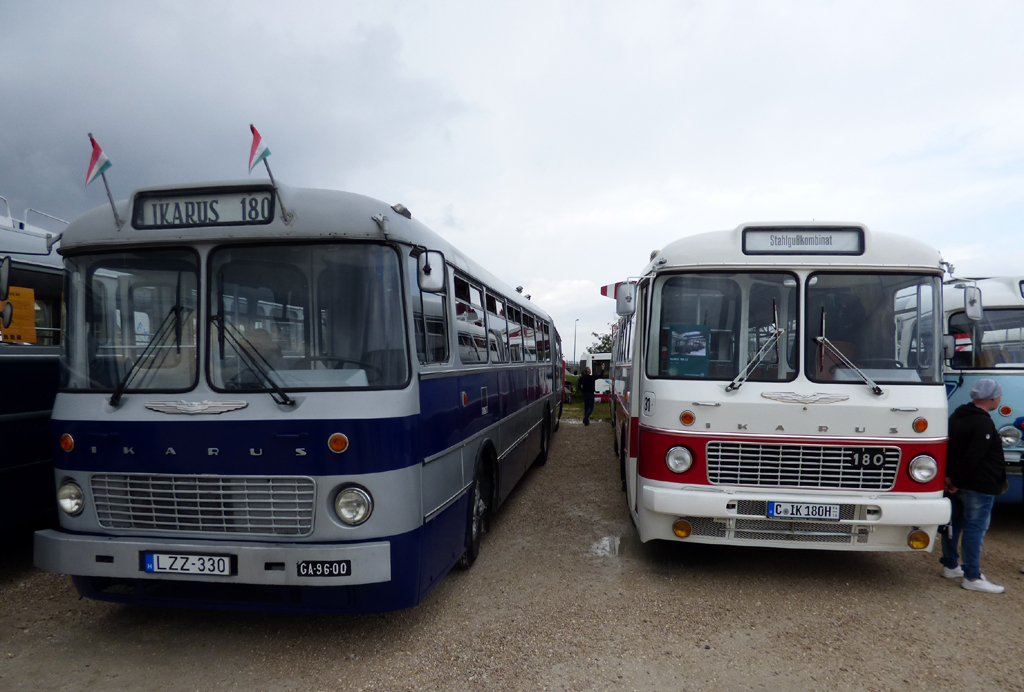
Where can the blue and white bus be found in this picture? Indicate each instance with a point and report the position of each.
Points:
(31, 280)
(991, 346)
(311, 410)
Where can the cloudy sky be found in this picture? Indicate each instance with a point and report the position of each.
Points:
(555, 142)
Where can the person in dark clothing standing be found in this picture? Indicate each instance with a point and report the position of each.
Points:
(975, 474)
(585, 385)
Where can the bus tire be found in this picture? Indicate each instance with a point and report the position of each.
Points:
(478, 516)
(545, 439)
(558, 420)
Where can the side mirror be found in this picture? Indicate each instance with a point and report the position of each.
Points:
(972, 302)
(6, 315)
(949, 346)
(430, 271)
(5, 277)
(625, 299)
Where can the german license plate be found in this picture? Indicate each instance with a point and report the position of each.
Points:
(325, 568)
(803, 510)
(177, 563)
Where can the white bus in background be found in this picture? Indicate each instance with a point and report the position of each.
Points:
(600, 366)
(989, 343)
(786, 388)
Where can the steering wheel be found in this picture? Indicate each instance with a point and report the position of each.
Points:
(336, 359)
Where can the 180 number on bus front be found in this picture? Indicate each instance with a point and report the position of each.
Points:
(325, 568)
(865, 457)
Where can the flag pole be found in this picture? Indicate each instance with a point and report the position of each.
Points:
(113, 207)
(284, 213)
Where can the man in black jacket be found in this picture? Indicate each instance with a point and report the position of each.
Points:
(585, 384)
(975, 474)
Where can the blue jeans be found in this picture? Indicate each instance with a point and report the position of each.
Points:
(588, 405)
(972, 512)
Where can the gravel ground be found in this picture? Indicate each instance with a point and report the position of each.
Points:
(563, 597)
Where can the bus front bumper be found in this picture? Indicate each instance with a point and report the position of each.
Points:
(253, 563)
(869, 521)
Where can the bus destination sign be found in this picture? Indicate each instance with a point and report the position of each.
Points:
(204, 207)
(806, 240)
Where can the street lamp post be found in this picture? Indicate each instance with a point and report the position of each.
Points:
(574, 343)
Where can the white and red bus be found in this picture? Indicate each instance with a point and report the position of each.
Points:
(783, 387)
(600, 367)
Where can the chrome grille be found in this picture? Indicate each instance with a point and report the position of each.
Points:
(258, 505)
(799, 466)
(774, 531)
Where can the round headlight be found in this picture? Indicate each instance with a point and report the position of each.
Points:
(923, 468)
(70, 498)
(353, 505)
(1009, 435)
(678, 459)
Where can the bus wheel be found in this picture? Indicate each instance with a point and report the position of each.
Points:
(479, 515)
(558, 420)
(545, 440)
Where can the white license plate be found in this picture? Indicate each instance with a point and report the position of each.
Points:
(325, 568)
(803, 510)
(170, 563)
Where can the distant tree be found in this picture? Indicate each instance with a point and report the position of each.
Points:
(604, 341)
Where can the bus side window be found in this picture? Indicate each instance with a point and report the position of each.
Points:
(497, 329)
(469, 322)
(515, 334)
(529, 338)
(430, 321)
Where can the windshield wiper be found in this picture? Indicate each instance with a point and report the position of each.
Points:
(252, 358)
(156, 340)
(834, 350)
(759, 356)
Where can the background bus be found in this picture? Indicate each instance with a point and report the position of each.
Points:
(320, 415)
(30, 298)
(990, 347)
(786, 390)
(600, 366)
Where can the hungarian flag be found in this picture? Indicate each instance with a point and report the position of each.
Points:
(97, 164)
(259, 149)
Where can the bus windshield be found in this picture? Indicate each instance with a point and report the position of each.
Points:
(132, 317)
(712, 326)
(996, 341)
(883, 324)
(317, 316)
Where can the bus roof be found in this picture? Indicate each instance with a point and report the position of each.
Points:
(754, 244)
(317, 215)
(997, 291)
(26, 244)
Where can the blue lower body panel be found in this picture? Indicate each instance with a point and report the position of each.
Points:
(419, 560)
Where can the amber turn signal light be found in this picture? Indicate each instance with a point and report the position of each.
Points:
(1005, 410)
(687, 417)
(682, 528)
(918, 539)
(920, 425)
(67, 443)
(337, 443)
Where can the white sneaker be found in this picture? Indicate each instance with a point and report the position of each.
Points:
(982, 584)
(952, 573)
